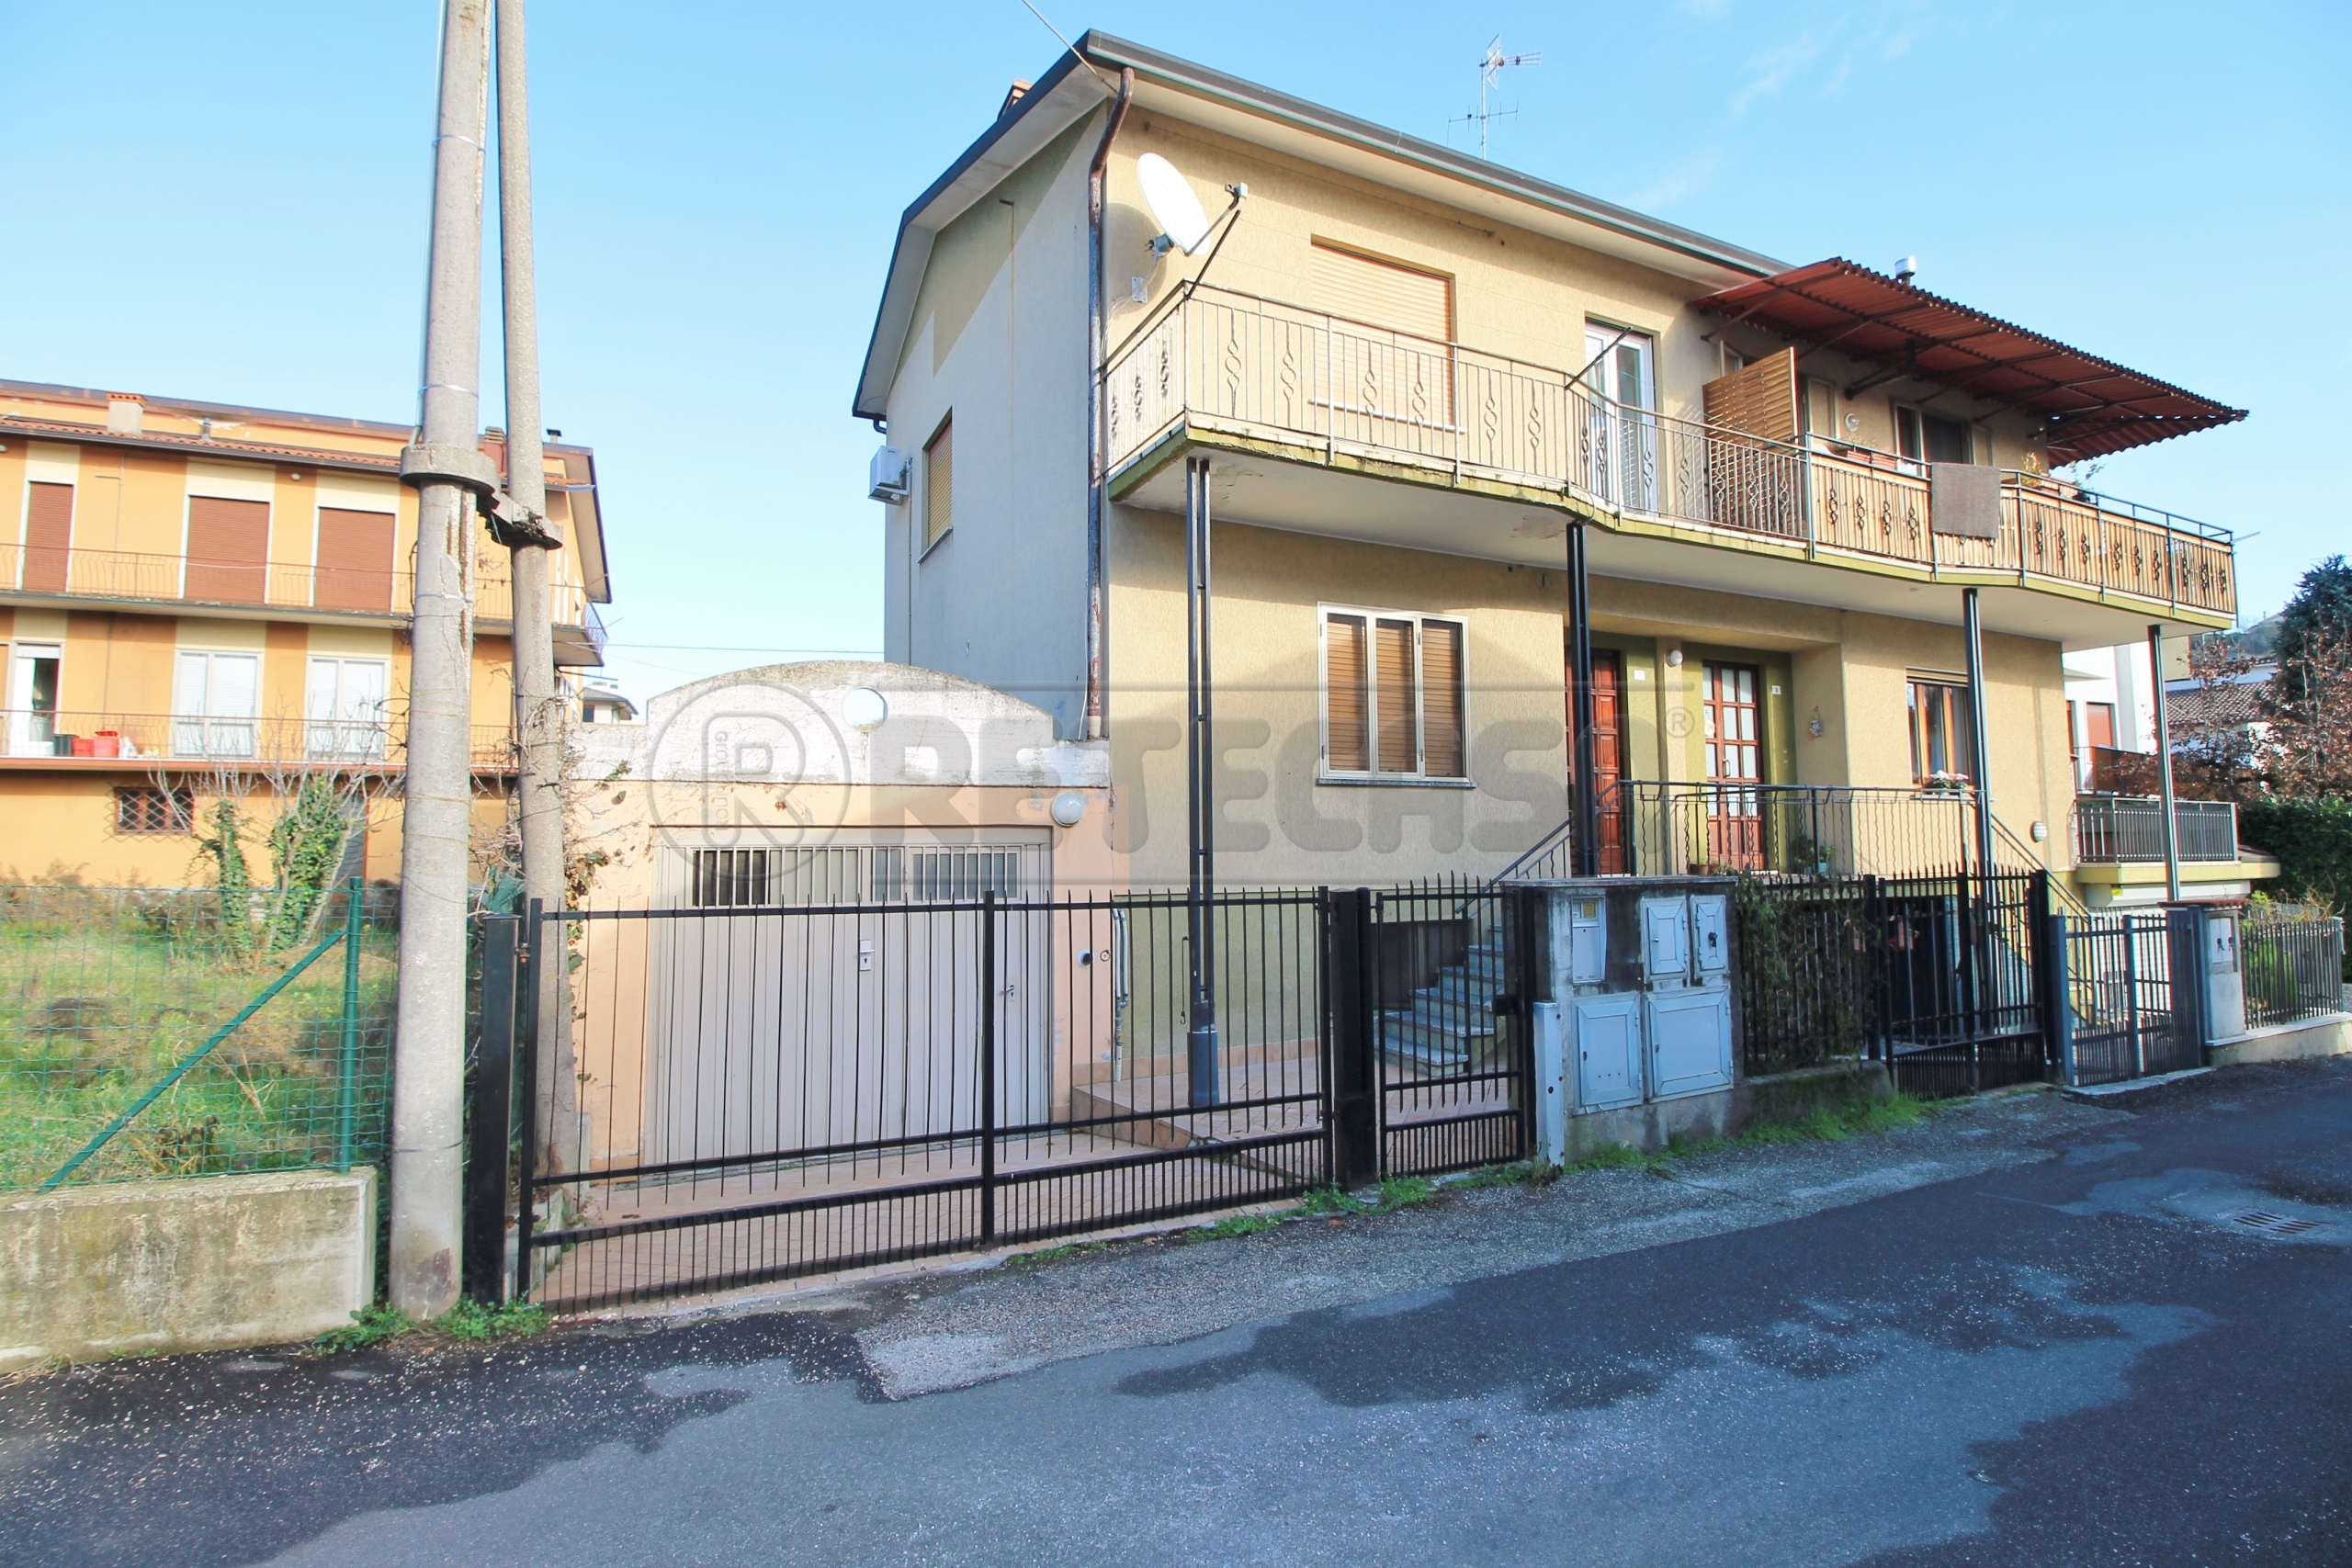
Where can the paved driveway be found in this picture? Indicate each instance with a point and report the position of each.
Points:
(2030, 1332)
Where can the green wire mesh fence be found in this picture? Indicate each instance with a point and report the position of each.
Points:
(116, 1005)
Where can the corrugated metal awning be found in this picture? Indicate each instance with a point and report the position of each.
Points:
(2094, 406)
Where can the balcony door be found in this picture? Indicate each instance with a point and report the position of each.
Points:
(1621, 366)
(1735, 766)
(32, 699)
(214, 709)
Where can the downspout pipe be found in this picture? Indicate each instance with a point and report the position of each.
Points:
(1096, 441)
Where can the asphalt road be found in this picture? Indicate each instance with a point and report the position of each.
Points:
(2073, 1351)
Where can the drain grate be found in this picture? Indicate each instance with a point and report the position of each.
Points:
(2273, 1225)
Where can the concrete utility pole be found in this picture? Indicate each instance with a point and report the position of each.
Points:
(2163, 762)
(447, 467)
(538, 706)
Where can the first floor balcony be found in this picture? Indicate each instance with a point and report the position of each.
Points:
(174, 744)
(2120, 830)
(33, 574)
(1263, 379)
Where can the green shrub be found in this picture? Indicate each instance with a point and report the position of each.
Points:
(2313, 840)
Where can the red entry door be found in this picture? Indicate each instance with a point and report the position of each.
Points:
(1608, 753)
(1734, 757)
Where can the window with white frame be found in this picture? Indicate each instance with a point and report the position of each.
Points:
(344, 708)
(1392, 704)
(216, 699)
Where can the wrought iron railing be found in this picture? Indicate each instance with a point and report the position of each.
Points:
(1214, 359)
(2292, 961)
(2122, 830)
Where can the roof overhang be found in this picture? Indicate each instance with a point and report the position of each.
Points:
(2093, 406)
(1307, 131)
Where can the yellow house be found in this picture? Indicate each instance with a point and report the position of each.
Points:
(196, 597)
(1400, 409)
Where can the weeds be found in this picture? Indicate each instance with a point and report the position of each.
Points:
(471, 1320)
(368, 1326)
(1333, 1201)
(1232, 1227)
(1404, 1191)
(1050, 1255)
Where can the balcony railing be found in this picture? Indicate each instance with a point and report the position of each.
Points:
(177, 742)
(1211, 358)
(127, 576)
(2122, 830)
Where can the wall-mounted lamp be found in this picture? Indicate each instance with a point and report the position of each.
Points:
(1069, 808)
(1816, 728)
(1674, 658)
(2041, 833)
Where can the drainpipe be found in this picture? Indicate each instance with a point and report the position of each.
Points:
(1584, 842)
(1095, 441)
(1979, 733)
(2163, 762)
(1200, 760)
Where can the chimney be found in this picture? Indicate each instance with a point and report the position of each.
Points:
(126, 413)
(1013, 95)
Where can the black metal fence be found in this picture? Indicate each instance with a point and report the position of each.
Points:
(742, 1092)
(2292, 961)
(1937, 976)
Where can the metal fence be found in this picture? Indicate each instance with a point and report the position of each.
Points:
(768, 1092)
(1937, 976)
(158, 1032)
(2130, 1005)
(2126, 829)
(1454, 1068)
(2292, 960)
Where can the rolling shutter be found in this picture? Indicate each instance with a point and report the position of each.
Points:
(1759, 400)
(1381, 293)
(939, 485)
(227, 543)
(1442, 703)
(355, 560)
(1392, 648)
(1349, 746)
(48, 530)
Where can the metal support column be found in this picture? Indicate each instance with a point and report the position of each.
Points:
(1584, 844)
(1979, 738)
(1355, 1091)
(1200, 754)
(490, 1134)
(2163, 762)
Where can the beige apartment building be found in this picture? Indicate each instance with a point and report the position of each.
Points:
(1418, 382)
(196, 597)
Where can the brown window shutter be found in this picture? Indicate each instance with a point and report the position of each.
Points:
(1442, 740)
(1759, 400)
(1381, 293)
(48, 530)
(1343, 695)
(1392, 651)
(227, 543)
(939, 485)
(355, 560)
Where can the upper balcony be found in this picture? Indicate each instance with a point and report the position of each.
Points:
(1499, 435)
(33, 574)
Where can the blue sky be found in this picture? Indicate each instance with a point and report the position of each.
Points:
(228, 202)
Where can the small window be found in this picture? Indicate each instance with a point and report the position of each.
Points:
(1393, 686)
(755, 879)
(146, 810)
(730, 879)
(939, 485)
(1942, 733)
(945, 876)
(1927, 437)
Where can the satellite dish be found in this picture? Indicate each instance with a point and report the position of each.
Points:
(1171, 198)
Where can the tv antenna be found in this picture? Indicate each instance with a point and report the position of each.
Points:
(1491, 75)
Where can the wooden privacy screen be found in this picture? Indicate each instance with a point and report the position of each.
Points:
(49, 530)
(227, 543)
(1759, 400)
(355, 560)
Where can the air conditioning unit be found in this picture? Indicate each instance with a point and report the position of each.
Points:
(886, 477)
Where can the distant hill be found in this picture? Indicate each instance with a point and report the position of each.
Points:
(2250, 641)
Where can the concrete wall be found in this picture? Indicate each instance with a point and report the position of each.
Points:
(147, 1268)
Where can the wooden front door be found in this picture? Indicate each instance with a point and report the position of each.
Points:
(1734, 758)
(1608, 758)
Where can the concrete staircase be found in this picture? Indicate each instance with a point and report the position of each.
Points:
(1451, 1024)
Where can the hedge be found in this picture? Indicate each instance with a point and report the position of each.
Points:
(2313, 840)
